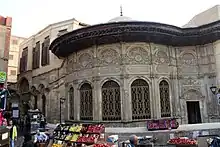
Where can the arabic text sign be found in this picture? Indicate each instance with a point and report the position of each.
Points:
(2, 76)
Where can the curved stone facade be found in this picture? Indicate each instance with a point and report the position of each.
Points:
(137, 71)
(186, 70)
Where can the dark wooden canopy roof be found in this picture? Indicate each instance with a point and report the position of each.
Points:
(135, 31)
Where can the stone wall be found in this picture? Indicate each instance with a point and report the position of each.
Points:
(190, 71)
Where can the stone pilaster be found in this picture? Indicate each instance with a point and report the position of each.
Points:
(97, 100)
(66, 103)
(76, 100)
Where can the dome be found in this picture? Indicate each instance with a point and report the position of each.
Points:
(121, 19)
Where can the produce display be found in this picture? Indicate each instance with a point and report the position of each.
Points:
(182, 141)
(57, 145)
(101, 145)
(88, 139)
(79, 134)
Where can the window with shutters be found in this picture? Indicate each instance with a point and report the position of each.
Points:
(111, 101)
(36, 56)
(164, 99)
(86, 105)
(45, 56)
(23, 60)
(71, 103)
(140, 96)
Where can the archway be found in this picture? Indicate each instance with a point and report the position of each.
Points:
(24, 86)
(140, 96)
(164, 99)
(86, 102)
(111, 101)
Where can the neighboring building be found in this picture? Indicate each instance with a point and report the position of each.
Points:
(36, 60)
(126, 71)
(206, 17)
(14, 58)
(5, 34)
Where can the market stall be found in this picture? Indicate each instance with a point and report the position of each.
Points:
(35, 119)
(4, 136)
(4, 131)
(78, 134)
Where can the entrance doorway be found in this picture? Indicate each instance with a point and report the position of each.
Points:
(193, 110)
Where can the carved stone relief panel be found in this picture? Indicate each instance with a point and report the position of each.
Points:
(85, 73)
(192, 94)
(85, 59)
(188, 63)
(71, 63)
(138, 69)
(162, 62)
(108, 56)
(137, 54)
(189, 83)
(110, 70)
(192, 81)
(188, 49)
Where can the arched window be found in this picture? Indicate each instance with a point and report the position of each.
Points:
(86, 108)
(24, 85)
(140, 100)
(164, 99)
(71, 103)
(44, 105)
(111, 101)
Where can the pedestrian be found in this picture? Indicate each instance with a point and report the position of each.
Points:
(22, 124)
(13, 133)
(42, 121)
(28, 141)
(27, 123)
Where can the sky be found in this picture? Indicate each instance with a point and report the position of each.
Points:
(31, 16)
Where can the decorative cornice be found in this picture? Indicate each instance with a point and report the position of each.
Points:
(134, 32)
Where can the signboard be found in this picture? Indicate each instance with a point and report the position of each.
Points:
(162, 124)
(218, 98)
(3, 76)
(15, 110)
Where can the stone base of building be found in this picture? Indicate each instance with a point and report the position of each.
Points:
(163, 136)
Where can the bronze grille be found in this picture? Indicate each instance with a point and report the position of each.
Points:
(111, 101)
(140, 100)
(86, 107)
(71, 103)
(164, 99)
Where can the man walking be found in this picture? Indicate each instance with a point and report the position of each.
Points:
(13, 133)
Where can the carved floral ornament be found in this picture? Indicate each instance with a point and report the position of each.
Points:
(192, 94)
(191, 81)
(161, 57)
(108, 55)
(138, 54)
(188, 59)
(85, 60)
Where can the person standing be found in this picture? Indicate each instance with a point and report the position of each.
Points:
(13, 133)
(28, 141)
